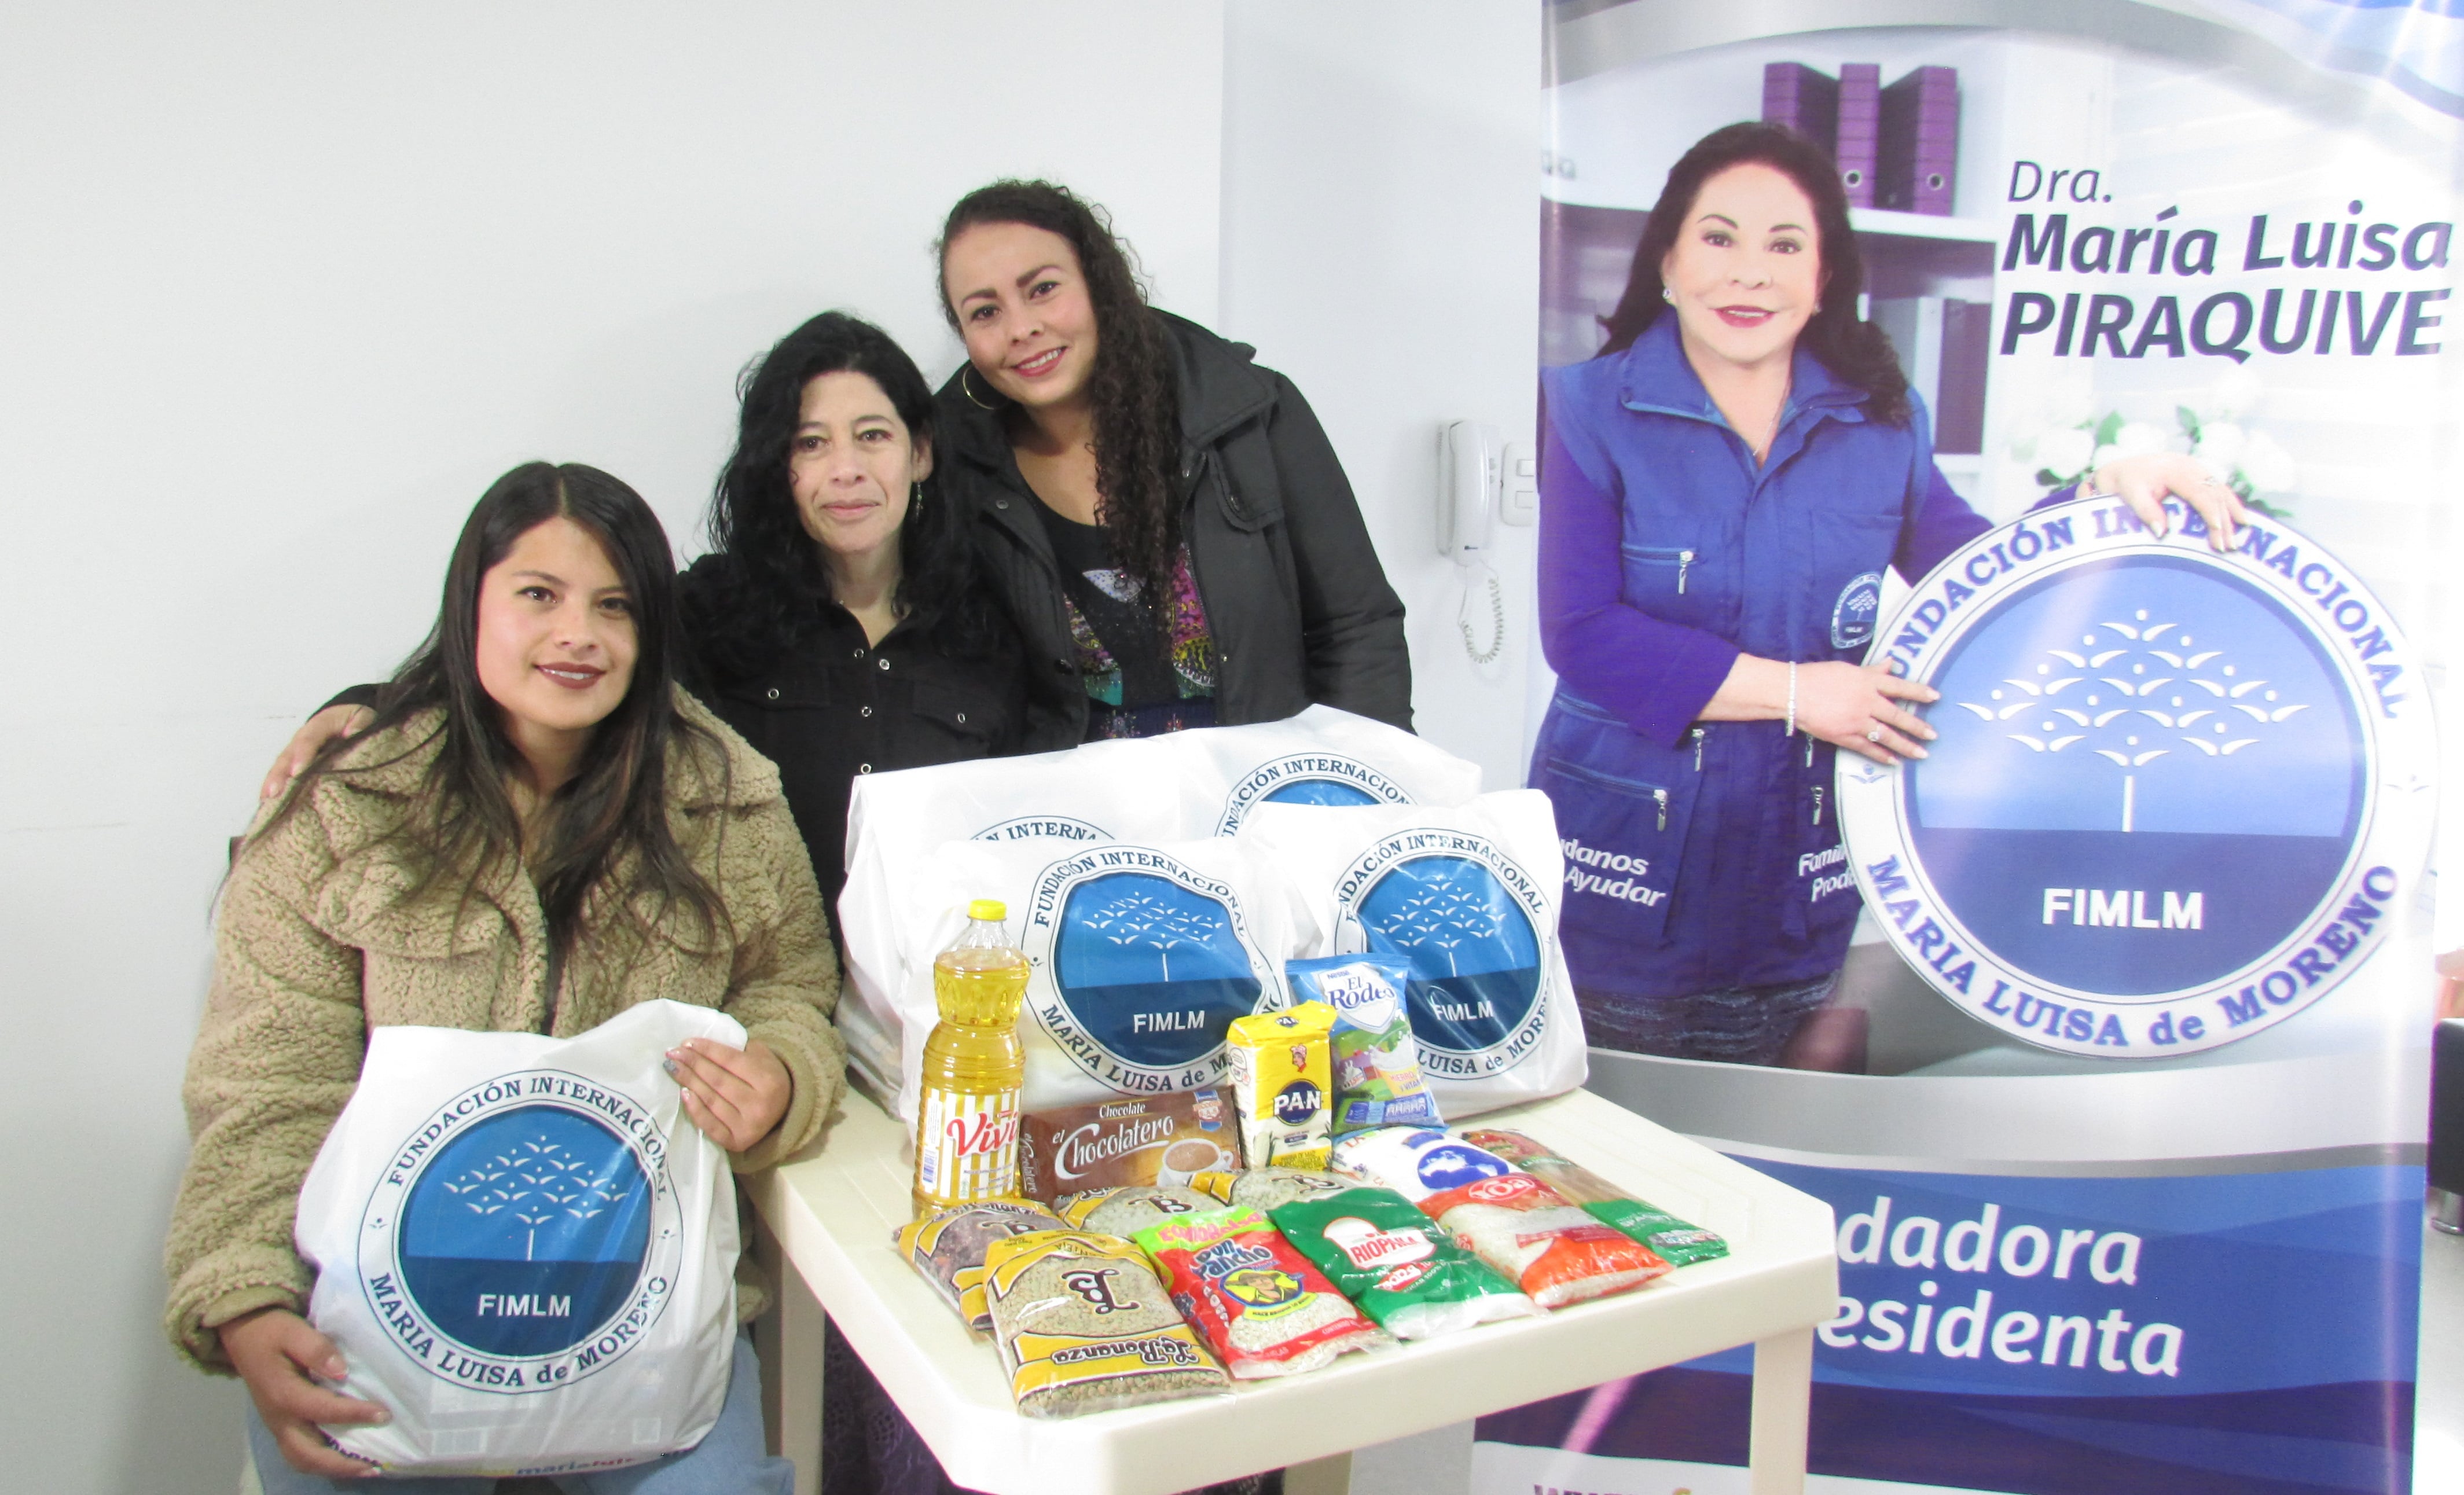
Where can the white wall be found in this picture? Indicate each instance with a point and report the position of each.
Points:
(1381, 243)
(283, 287)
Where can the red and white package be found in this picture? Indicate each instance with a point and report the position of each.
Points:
(1263, 1309)
(1549, 1246)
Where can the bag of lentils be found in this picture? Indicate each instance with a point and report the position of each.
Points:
(1083, 1326)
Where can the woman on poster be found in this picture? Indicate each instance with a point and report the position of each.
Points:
(1721, 489)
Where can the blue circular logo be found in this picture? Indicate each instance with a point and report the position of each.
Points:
(1325, 778)
(2158, 814)
(526, 1235)
(1320, 791)
(1852, 614)
(1456, 1164)
(526, 1232)
(1151, 969)
(1474, 954)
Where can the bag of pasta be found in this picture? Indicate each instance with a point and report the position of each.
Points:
(1083, 1326)
(1680, 1244)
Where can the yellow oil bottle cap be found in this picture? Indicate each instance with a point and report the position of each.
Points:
(992, 909)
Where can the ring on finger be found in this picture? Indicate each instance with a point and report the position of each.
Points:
(1875, 733)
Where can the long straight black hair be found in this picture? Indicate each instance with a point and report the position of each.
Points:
(770, 586)
(1132, 388)
(613, 812)
(1858, 352)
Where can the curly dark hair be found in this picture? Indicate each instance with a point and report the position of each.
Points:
(763, 587)
(613, 813)
(1859, 352)
(1135, 393)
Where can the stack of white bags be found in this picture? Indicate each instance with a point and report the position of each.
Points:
(1159, 886)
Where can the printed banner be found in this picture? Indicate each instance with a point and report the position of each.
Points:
(2117, 1096)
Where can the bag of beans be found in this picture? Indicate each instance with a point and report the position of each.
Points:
(1397, 1264)
(1083, 1326)
(1679, 1243)
(1122, 1211)
(1266, 1310)
(948, 1246)
(1262, 1189)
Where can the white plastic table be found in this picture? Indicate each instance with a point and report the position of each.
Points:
(830, 1214)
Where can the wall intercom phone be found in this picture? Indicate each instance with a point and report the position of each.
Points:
(1480, 480)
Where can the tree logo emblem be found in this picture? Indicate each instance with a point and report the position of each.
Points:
(1149, 961)
(523, 1241)
(2175, 794)
(1469, 920)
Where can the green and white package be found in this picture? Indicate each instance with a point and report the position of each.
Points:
(1678, 1242)
(1377, 1078)
(1397, 1265)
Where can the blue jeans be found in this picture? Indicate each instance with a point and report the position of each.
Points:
(729, 1461)
(1734, 1025)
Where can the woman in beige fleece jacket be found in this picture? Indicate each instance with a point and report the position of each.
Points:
(538, 831)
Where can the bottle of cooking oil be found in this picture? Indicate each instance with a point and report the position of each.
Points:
(967, 1106)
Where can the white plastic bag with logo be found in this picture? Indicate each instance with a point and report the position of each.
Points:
(1177, 787)
(1469, 896)
(1141, 956)
(524, 1248)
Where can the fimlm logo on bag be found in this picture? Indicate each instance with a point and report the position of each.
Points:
(1141, 964)
(1326, 778)
(2175, 794)
(1468, 918)
(526, 1235)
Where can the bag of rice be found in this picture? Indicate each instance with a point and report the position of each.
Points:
(1397, 1264)
(1548, 1246)
(1678, 1242)
(1377, 1065)
(1266, 1310)
(1121, 1210)
(1180, 786)
(1083, 1326)
(1262, 1189)
(1141, 956)
(1468, 896)
(948, 1249)
(1414, 1161)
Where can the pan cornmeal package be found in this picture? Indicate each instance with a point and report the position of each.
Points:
(1677, 1242)
(1260, 1303)
(1397, 1264)
(948, 1246)
(1083, 1326)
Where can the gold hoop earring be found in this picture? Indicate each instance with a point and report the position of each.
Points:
(969, 390)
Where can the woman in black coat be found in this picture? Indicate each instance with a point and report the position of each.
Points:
(1110, 455)
(838, 622)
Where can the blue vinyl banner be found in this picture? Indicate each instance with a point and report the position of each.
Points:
(2118, 1093)
(2244, 1332)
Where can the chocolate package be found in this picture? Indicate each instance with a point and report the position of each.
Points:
(1129, 1140)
